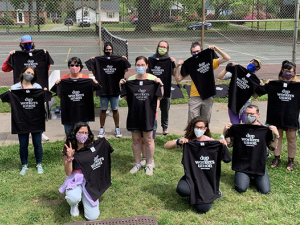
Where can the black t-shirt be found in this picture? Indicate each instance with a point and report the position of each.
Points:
(162, 68)
(202, 167)
(176, 91)
(108, 72)
(221, 91)
(37, 59)
(27, 109)
(283, 103)
(77, 99)
(142, 101)
(249, 147)
(200, 68)
(242, 86)
(95, 163)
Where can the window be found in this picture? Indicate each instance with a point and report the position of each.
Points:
(20, 17)
(110, 15)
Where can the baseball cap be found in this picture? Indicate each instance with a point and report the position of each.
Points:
(26, 39)
(259, 62)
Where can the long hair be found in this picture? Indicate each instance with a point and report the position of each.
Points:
(287, 65)
(34, 74)
(141, 58)
(71, 138)
(189, 130)
(165, 55)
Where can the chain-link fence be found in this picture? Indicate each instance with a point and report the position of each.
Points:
(244, 29)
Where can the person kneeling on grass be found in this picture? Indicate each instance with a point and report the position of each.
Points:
(88, 167)
(249, 143)
(201, 159)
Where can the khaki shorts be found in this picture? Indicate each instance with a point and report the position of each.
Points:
(199, 107)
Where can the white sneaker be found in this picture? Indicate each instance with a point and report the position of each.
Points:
(143, 161)
(44, 138)
(153, 165)
(118, 132)
(136, 168)
(101, 133)
(149, 170)
(74, 211)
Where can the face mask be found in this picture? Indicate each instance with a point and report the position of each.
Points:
(27, 47)
(27, 76)
(250, 119)
(195, 55)
(162, 51)
(198, 132)
(107, 53)
(251, 67)
(140, 70)
(74, 69)
(81, 138)
(287, 75)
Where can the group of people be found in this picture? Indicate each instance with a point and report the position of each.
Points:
(145, 92)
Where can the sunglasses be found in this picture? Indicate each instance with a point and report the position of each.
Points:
(72, 65)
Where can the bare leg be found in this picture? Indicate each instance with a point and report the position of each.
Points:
(116, 117)
(149, 146)
(144, 153)
(102, 117)
(136, 146)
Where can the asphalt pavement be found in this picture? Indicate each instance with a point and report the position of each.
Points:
(177, 122)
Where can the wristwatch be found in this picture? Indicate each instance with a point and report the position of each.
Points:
(277, 136)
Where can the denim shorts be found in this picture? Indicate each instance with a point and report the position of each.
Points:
(114, 102)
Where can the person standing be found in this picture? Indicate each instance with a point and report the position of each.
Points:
(162, 65)
(142, 93)
(200, 67)
(283, 110)
(249, 141)
(28, 115)
(108, 71)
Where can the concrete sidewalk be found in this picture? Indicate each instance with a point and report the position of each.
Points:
(177, 123)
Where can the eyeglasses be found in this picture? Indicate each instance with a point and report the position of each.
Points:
(195, 52)
(82, 132)
(251, 114)
(201, 128)
(72, 65)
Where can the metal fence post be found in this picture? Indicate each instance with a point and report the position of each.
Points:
(295, 29)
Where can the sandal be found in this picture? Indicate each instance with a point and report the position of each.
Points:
(290, 166)
(275, 161)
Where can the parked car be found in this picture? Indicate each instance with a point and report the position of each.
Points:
(86, 22)
(198, 26)
(134, 21)
(69, 21)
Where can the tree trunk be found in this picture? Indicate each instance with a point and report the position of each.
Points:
(144, 16)
(31, 17)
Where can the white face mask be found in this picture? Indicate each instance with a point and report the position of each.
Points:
(198, 132)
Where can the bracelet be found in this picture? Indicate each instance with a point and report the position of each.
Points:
(177, 142)
(162, 85)
(70, 159)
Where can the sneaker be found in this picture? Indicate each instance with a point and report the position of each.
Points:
(44, 138)
(108, 111)
(136, 168)
(39, 168)
(118, 132)
(143, 161)
(153, 165)
(74, 211)
(220, 194)
(149, 170)
(101, 133)
(24, 169)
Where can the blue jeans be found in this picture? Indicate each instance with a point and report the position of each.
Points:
(242, 181)
(37, 144)
(74, 196)
(164, 108)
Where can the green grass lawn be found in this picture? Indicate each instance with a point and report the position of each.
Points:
(272, 25)
(34, 199)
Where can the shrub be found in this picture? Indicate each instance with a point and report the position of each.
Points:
(7, 21)
(238, 16)
(192, 17)
(41, 20)
(261, 16)
(210, 17)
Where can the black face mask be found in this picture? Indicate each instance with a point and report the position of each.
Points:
(107, 53)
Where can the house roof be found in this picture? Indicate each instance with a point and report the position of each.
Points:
(7, 6)
(105, 5)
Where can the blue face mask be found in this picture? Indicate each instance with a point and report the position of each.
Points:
(27, 47)
(251, 67)
(140, 70)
